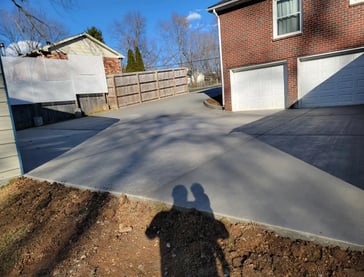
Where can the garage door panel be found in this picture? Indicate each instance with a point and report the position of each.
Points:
(361, 70)
(361, 84)
(331, 81)
(258, 89)
(359, 98)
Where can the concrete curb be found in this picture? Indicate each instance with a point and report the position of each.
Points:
(211, 106)
(281, 231)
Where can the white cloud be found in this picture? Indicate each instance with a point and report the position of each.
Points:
(193, 16)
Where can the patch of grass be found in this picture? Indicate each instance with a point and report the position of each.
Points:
(230, 245)
(9, 183)
(9, 250)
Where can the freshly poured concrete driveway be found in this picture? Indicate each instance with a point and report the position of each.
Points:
(299, 170)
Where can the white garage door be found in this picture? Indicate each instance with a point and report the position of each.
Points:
(331, 80)
(258, 88)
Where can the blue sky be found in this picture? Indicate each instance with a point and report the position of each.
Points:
(87, 13)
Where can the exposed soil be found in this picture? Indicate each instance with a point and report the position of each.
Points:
(52, 230)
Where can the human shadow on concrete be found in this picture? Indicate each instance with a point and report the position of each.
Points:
(188, 237)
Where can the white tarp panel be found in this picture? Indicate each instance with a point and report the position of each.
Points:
(88, 74)
(331, 81)
(39, 80)
(258, 88)
(32, 80)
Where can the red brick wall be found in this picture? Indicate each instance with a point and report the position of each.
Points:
(57, 55)
(54, 56)
(112, 66)
(247, 37)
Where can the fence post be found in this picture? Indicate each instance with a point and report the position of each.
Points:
(157, 81)
(186, 79)
(139, 88)
(115, 91)
(174, 82)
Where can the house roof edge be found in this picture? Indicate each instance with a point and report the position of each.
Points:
(226, 4)
(58, 43)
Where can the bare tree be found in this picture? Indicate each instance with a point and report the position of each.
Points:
(25, 28)
(26, 34)
(21, 5)
(196, 49)
(23, 8)
(175, 33)
(206, 51)
(130, 33)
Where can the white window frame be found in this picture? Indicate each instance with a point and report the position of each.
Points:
(354, 2)
(275, 19)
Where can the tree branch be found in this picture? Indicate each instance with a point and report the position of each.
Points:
(29, 17)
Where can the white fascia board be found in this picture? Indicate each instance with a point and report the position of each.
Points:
(226, 5)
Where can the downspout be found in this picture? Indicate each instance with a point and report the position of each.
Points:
(221, 64)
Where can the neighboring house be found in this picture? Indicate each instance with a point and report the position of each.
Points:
(10, 165)
(281, 53)
(69, 81)
(197, 79)
(83, 45)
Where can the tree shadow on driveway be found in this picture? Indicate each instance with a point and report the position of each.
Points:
(40, 145)
(331, 139)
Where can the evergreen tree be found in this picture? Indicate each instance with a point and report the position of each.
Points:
(96, 33)
(131, 65)
(139, 60)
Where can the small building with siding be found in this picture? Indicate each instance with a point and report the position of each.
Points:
(10, 164)
(83, 45)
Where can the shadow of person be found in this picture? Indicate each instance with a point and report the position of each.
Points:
(202, 201)
(188, 238)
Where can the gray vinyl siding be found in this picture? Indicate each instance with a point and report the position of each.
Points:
(9, 159)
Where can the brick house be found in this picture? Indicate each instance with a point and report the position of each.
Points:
(276, 54)
(84, 45)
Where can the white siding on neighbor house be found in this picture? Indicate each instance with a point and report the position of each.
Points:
(10, 166)
(86, 47)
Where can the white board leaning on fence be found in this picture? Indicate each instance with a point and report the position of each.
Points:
(88, 74)
(39, 80)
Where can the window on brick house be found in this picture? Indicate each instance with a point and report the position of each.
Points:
(287, 16)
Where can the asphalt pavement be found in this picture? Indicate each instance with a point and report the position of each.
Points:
(299, 172)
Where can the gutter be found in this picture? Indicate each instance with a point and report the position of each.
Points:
(226, 5)
(213, 9)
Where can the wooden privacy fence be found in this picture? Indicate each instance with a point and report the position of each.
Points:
(132, 88)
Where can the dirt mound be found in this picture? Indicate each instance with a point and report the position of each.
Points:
(52, 230)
